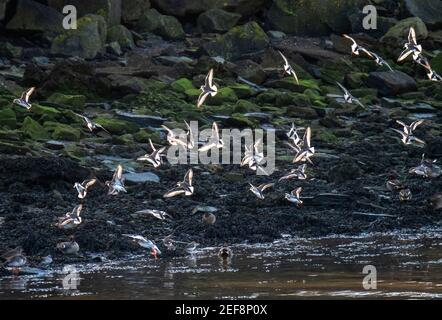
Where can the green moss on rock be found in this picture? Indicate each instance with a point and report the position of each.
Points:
(75, 101)
(8, 118)
(34, 130)
(182, 85)
(66, 133)
(116, 126)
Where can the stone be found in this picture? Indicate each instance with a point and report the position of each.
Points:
(116, 126)
(33, 16)
(10, 51)
(181, 85)
(302, 112)
(166, 26)
(430, 11)
(398, 34)
(224, 95)
(391, 83)
(76, 101)
(314, 17)
(3, 5)
(65, 132)
(141, 177)
(123, 85)
(8, 118)
(133, 10)
(87, 41)
(34, 130)
(217, 20)
(122, 35)
(238, 41)
(49, 113)
(436, 63)
(110, 10)
(114, 48)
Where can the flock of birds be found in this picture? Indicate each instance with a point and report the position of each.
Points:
(253, 158)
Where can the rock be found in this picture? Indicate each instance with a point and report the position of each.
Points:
(436, 63)
(64, 132)
(399, 33)
(314, 17)
(302, 112)
(141, 177)
(166, 26)
(181, 85)
(116, 126)
(10, 51)
(86, 41)
(114, 48)
(122, 35)
(48, 112)
(430, 11)
(3, 5)
(277, 35)
(391, 83)
(224, 95)
(249, 70)
(217, 20)
(349, 170)
(383, 25)
(242, 91)
(8, 118)
(33, 16)
(191, 7)
(76, 101)
(238, 41)
(109, 9)
(34, 130)
(122, 85)
(133, 10)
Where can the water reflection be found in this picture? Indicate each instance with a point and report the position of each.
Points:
(409, 265)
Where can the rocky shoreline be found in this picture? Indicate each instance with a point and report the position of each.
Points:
(134, 70)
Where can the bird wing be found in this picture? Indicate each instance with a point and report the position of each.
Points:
(262, 187)
(307, 137)
(189, 177)
(415, 124)
(297, 192)
(202, 97)
(89, 183)
(412, 36)
(173, 192)
(119, 172)
(285, 59)
(28, 93)
(343, 88)
(209, 78)
(152, 146)
(350, 38)
(404, 55)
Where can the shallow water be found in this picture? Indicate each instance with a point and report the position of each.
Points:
(408, 264)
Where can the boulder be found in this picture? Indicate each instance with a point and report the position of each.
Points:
(64, 132)
(3, 5)
(399, 32)
(436, 63)
(33, 16)
(217, 20)
(86, 41)
(75, 101)
(239, 41)
(110, 10)
(314, 17)
(430, 11)
(133, 10)
(166, 26)
(8, 118)
(391, 83)
(34, 130)
(122, 35)
(10, 51)
(182, 8)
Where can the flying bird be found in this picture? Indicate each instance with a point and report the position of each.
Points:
(23, 101)
(348, 97)
(306, 151)
(71, 219)
(379, 61)
(188, 143)
(294, 136)
(411, 47)
(91, 125)
(259, 191)
(298, 173)
(207, 89)
(116, 185)
(253, 157)
(69, 247)
(83, 187)
(408, 132)
(155, 157)
(145, 243)
(183, 187)
(160, 215)
(214, 141)
(356, 49)
(295, 196)
(288, 68)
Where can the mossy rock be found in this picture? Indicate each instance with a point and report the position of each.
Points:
(224, 95)
(48, 112)
(365, 92)
(143, 136)
(124, 139)
(14, 148)
(242, 90)
(8, 118)
(65, 132)
(217, 20)
(297, 99)
(436, 63)
(34, 130)
(192, 94)
(238, 41)
(326, 136)
(182, 85)
(121, 35)
(75, 101)
(243, 106)
(302, 112)
(116, 126)
(166, 26)
(86, 41)
(399, 32)
(267, 97)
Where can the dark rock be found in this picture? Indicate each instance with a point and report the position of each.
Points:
(391, 83)
(397, 35)
(3, 5)
(166, 26)
(430, 11)
(10, 51)
(217, 20)
(345, 171)
(133, 10)
(314, 17)
(383, 25)
(86, 41)
(33, 16)
(109, 9)
(238, 41)
(122, 35)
